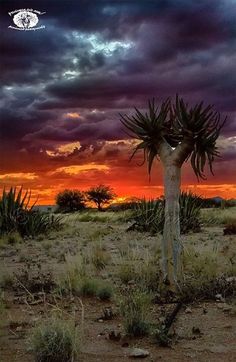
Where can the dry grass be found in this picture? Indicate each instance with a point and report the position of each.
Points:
(55, 340)
(218, 216)
(135, 309)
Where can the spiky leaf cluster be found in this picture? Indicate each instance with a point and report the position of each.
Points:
(150, 128)
(175, 124)
(17, 215)
(201, 126)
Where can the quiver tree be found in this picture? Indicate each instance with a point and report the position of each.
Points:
(175, 133)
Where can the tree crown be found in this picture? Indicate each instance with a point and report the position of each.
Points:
(70, 200)
(176, 130)
(101, 194)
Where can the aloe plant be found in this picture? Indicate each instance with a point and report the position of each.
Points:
(16, 214)
(149, 215)
(190, 206)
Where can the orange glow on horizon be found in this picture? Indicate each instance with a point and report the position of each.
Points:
(227, 191)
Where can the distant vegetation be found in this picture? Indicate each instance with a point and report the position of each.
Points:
(100, 195)
(70, 200)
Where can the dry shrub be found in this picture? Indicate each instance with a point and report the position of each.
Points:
(55, 341)
(134, 308)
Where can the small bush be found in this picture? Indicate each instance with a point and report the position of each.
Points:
(201, 266)
(70, 280)
(230, 229)
(6, 279)
(138, 266)
(88, 287)
(134, 308)
(195, 290)
(99, 257)
(13, 238)
(55, 341)
(205, 277)
(105, 292)
(126, 272)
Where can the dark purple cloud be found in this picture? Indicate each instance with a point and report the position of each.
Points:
(109, 56)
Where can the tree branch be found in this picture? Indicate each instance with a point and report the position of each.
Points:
(183, 150)
(164, 150)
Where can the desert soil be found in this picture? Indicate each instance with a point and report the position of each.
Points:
(206, 331)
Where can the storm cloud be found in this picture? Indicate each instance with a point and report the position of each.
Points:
(68, 82)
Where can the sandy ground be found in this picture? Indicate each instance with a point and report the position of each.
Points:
(214, 322)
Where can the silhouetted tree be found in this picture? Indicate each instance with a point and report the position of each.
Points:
(100, 195)
(70, 200)
(175, 133)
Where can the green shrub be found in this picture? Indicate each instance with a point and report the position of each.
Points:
(105, 291)
(88, 287)
(126, 272)
(55, 341)
(134, 308)
(13, 238)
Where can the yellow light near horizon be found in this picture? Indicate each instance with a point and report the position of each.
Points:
(19, 175)
(75, 169)
(72, 115)
(119, 199)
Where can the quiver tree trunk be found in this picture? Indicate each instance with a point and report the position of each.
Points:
(174, 133)
(171, 243)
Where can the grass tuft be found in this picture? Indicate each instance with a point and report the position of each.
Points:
(55, 341)
(134, 308)
(105, 291)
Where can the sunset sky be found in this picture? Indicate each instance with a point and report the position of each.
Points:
(64, 86)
